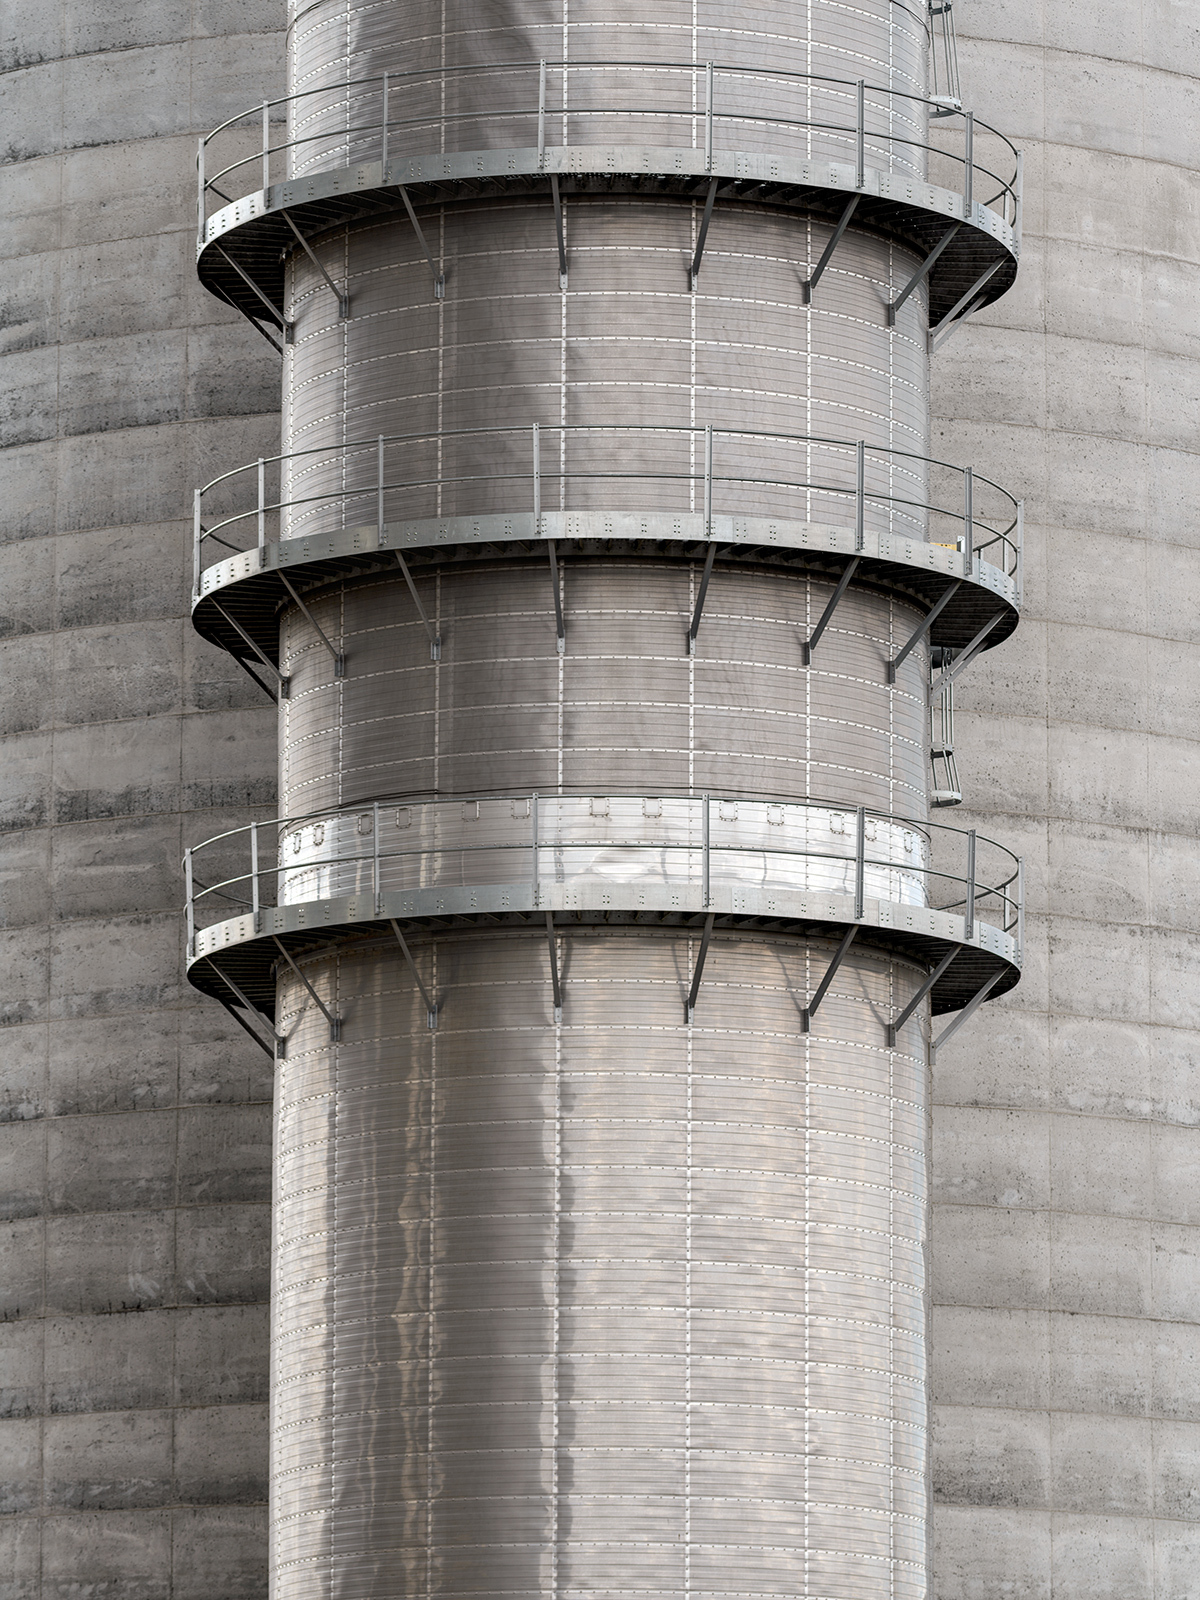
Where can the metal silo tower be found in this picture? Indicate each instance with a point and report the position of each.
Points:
(606, 584)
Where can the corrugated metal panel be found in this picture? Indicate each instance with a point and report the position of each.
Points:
(612, 1304)
(625, 709)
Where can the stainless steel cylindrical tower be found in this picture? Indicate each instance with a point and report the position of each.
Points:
(601, 577)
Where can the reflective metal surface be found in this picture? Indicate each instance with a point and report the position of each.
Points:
(611, 1305)
(625, 707)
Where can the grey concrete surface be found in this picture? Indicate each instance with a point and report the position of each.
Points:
(134, 1116)
(1067, 1132)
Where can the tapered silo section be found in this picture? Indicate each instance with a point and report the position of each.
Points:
(600, 580)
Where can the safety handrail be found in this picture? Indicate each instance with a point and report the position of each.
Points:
(974, 524)
(706, 80)
(989, 892)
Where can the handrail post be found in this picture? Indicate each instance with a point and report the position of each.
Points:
(533, 831)
(266, 149)
(262, 507)
(537, 479)
(379, 491)
(189, 907)
(861, 162)
(969, 912)
(376, 883)
(254, 900)
(860, 493)
(383, 131)
(706, 851)
(708, 479)
(201, 193)
(969, 175)
(708, 117)
(541, 112)
(197, 535)
(860, 862)
(968, 519)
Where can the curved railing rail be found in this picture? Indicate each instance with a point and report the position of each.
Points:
(625, 842)
(537, 105)
(543, 467)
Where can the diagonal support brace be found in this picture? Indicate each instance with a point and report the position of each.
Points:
(965, 1015)
(272, 312)
(558, 228)
(810, 644)
(439, 278)
(893, 1028)
(958, 312)
(810, 283)
(921, 630)
(559, 625)
(335, 1023)
(694, 269)
(280, 1041)
(343, 300)
(555, 977)
(339, 660)
(920, 274)
(689, 1009)
(435, 639)
(285, 682)
(964, 661)
(839, 956)
(431, 1006)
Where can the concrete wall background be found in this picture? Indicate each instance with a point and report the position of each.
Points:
(135, 1147)
(1066, 1237)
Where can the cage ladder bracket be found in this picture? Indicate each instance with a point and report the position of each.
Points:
(431, 1007)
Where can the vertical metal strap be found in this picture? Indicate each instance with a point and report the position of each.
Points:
(968, 519)
(969, 908)
(537, 479)
(201, 195)
(254, 895)
(1021, 909)
(534, 843)
(1019, 574)
(708, 459)
(379, 490)
(1019, 208)
(262, 509)
(708, 117)
(383, 131)
(860, 493)
(706, 853)
(375, 879)
(860, 862)
(861, 172)
(266, 149)
(190, 909)
(541, 112)
(969, 174)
